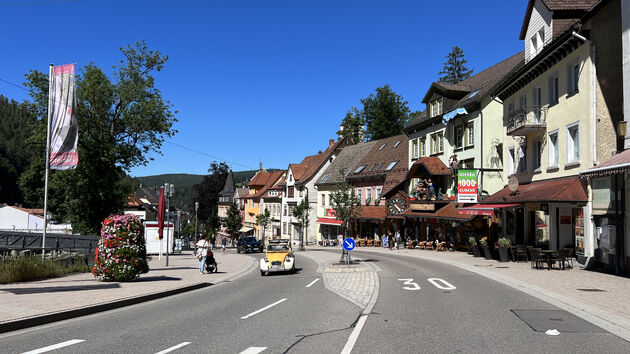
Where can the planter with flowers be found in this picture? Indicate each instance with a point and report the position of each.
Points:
(121, 254)
(473, 245)
(504, 245)
(486, 250)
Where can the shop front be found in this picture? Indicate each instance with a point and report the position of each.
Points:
(445, 225)
(369, 227)
(330, 230)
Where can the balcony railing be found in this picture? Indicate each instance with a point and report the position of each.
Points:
(527, 120)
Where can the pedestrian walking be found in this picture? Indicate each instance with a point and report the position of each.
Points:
(223, 243)
(213, 241)
(202, 253)
(397, 239)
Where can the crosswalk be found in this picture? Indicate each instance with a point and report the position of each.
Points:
(250, 350)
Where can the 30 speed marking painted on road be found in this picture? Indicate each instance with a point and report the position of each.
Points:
(411, 284)
(445, 285)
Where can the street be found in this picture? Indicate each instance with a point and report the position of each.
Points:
(422, 306)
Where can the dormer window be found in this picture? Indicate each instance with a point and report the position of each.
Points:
(436, 107)
(537, 42)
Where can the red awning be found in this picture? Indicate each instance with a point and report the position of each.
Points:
(327, 221)
(486, 209)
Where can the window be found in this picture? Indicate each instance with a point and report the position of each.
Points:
(440, 106)
(291, 191)
(541, 37)
(511, 161)
(537, 94)
(511, 109)
(382, 147)
(468, 163)
(553, 89)
(373, 167)
(323, 199)
(301, 192)
(441, 141)
(325, 178)
(391, 165)
(423, 150)
(290, 227)
(573, 143)
(459, 136)
(434, 144)
(284, 228)
(537, 156)
(359, 169)
(522, 101)
(573, 77)
(378, 193)
(553, 149)
(436, 107)
(359, 194)
(414, 148)
(397, 143)
(368, 194)
(471, 134)
(522, 158)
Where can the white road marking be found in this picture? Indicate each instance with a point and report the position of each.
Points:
(412, 285)
(183, 344)
(354, 335)
(263, 309)
(313, 282)
(253, 350)
(447, 285)
(55, 346)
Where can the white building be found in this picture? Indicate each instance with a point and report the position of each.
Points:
(19, 219)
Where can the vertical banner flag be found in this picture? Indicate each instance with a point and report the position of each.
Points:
(64, 126)
(467, 186)
(161, 213)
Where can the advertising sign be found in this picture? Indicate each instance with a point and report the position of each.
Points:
(467, 186)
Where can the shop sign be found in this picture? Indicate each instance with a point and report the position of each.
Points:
(532, 206)
(467, 186)
(422, 207)
(330, 212)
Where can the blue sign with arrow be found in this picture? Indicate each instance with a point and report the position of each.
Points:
(348, 244)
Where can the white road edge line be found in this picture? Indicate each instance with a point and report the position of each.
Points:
(183, 344)
(253, 350)
(263, 309)
(55, 346)
(313, 282)
(354, 335)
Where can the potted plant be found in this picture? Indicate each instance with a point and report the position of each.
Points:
(486, 249)
(504, 246)
(473, 245)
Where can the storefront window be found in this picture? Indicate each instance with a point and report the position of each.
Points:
(542, 226)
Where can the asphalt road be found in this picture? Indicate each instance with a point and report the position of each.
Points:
(478, 316)
(310, 320)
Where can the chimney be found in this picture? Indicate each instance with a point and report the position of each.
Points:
(331, 142)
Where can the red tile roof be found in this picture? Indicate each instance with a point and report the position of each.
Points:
(31, 211)
(571, 189)
(448, 212)
(431, 164)
(259, 179)
(273, 179)
(372, 212)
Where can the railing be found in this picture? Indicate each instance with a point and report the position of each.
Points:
(527, 119)
(29, 243)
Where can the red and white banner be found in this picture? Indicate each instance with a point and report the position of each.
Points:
(64, 128)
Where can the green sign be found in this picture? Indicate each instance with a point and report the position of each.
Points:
(467, 186)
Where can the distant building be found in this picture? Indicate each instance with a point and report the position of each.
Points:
(13, 218)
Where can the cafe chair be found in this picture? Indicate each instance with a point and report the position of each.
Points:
(535, 257)
(521, 253)
(564, 258)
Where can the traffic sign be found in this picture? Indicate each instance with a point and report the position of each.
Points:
(348, 244)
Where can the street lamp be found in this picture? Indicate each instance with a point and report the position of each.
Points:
(169, 189)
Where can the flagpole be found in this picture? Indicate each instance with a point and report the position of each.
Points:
(48, 123)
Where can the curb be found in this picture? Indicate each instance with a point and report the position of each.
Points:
(90, 310)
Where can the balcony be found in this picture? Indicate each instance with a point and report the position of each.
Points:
(527, 120)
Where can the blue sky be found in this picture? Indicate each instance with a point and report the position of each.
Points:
(258, 81)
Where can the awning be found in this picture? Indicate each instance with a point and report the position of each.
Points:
(245, 229)
(450, 115)
(485, 209)
(617, 164)
(571, 190)
(448, 212)
(328, 221)
(431, 164)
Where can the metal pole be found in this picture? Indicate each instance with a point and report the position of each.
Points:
(196, 208)
(50, 75)
(167, 194)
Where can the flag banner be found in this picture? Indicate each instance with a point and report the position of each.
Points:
(64, 133)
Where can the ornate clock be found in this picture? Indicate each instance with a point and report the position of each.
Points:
(396, 206)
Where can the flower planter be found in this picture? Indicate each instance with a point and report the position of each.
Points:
(486, 252)
(476, 251)
(503, 254)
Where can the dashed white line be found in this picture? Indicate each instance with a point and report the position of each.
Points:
(313, 282)
(55, 346)
(354, 335)
(263, 309)
(253, 350)
(183, 344)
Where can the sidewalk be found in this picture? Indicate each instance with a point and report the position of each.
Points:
(32, 303)
(601, 297)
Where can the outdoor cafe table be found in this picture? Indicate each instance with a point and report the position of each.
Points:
(550, 256)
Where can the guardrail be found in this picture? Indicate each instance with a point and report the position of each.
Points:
(29, 244)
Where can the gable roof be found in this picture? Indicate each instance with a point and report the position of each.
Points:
(578, 7)
(259, 179)
(347, 159)
(242, 192)
(37, 212)
(228, 187)
(274, 177)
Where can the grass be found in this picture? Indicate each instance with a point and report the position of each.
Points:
(20, 269)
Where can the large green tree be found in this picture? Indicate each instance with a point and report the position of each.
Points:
(352, 126)
(384, 113)
(122, 120)
(207, 192)
(455, 69)
(233, 221)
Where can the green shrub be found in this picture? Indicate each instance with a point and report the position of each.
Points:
(483, 243)
(18, 269)
(472, 241)
(504, 242)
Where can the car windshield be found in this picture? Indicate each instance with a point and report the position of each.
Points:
(277, 248)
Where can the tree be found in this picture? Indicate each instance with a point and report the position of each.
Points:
(454, 70)
(301, 212)
(352, 126)
(233, 221)
(343, 201)
(121, 122)
(263, 219)
(207, 192)
(213, 222)
(385, 113)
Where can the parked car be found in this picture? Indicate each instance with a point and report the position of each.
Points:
(249, 244)
(278, 258)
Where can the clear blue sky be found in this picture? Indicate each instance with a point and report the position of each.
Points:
(260, 80)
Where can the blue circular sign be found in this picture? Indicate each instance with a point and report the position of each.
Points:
(348, 244)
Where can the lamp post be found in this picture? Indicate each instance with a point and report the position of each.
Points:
(169, 189)
(196, 208)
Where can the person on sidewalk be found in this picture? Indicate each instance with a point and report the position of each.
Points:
(213, 241)
(223, 243)
(397, 239)
(202, 253)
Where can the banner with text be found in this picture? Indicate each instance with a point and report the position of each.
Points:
(64, 128)
(467, 186)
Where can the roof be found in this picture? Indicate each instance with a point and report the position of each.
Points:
(242, 192)
(448, 212)
(372, 212)
(32, 211)
(417, 120)
(259, 179)
(317, 161)
(570, 189)
(148, 192)
(274, 178)
(270, 178)
(228, 187)
(619, 163)
(576, 6)
(347, 159)
(432, 164)
(380, 156)
(459, 88)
